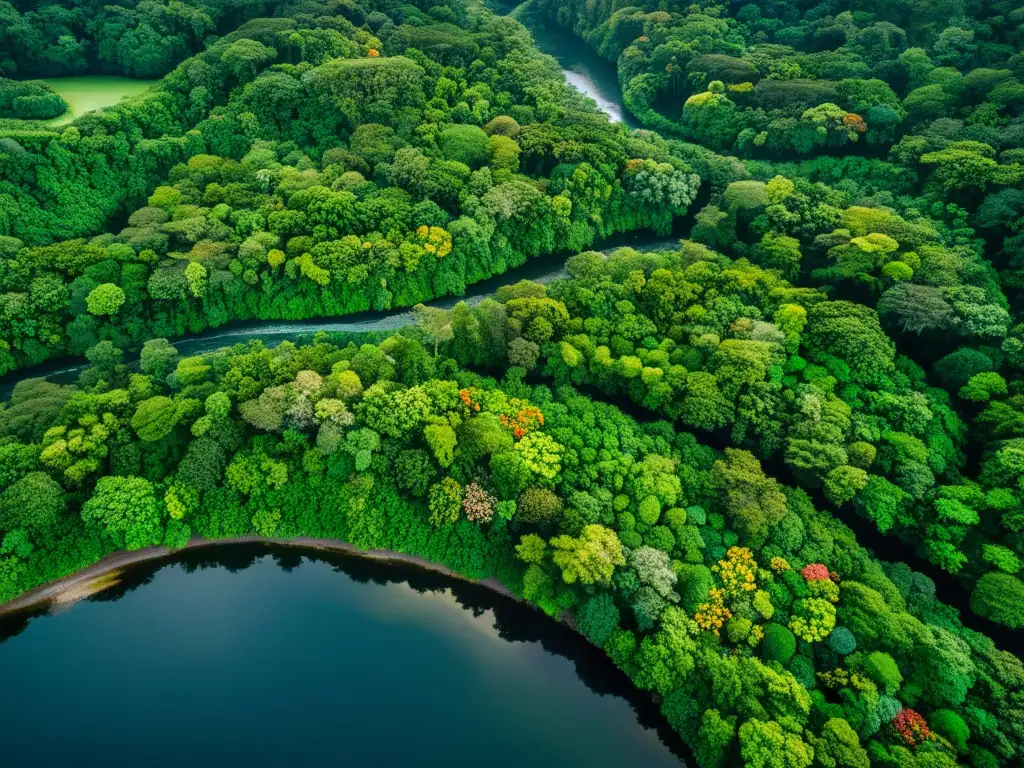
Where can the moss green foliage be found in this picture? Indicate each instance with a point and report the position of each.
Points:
(1000, 597)
(806, 79)
(797, 377)
(29, 100)
(779, 644)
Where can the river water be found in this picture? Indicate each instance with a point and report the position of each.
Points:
(254, 655)
(586, 71)
(273, 332)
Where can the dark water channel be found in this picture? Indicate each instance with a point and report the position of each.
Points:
(586, 71)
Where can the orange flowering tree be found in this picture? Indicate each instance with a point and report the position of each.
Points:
(911, 727)
(522, 422)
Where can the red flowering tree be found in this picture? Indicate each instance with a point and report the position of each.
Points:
(816, 572)
(911, 727)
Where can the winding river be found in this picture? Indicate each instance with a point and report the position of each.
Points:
(272, 333)
(262, 655)
(257, 655)
(586, 71)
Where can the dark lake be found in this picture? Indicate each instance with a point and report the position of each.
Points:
(254, 655)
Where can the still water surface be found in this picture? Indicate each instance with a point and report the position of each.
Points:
(249, 655)
(85, 93)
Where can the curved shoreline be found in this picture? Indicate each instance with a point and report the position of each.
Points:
(51, 592)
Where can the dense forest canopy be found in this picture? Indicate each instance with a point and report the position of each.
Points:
(301, 170)
(144, 39)
(890, 100)
(838, 337)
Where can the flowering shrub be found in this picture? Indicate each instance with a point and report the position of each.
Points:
(478, 504)
(713, 615)
(911, 727)
(855, 122)
(435, 240)
(815, 572)
(524, 421)
(466, 396)
(738, 571)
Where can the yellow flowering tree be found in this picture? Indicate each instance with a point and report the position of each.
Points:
(435, 240)
(738, 572)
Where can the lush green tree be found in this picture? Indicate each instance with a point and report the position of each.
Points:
(158, 358)
(589, 559)
(1000, 597)
(597, 618)
(750, 498)
(779, 644)
(155, 418)
(436, 322)
(767, 744)
(33, 502)
(466, 144)
(951, 727)
(538, 506)
(839, 747)
(105, 299)
(127, 510)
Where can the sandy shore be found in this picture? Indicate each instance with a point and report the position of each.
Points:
(111, 566)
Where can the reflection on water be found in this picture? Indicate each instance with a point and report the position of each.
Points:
(260, 655)
(582, 81)
(583, 69)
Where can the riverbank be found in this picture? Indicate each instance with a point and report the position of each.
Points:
(107, 569)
